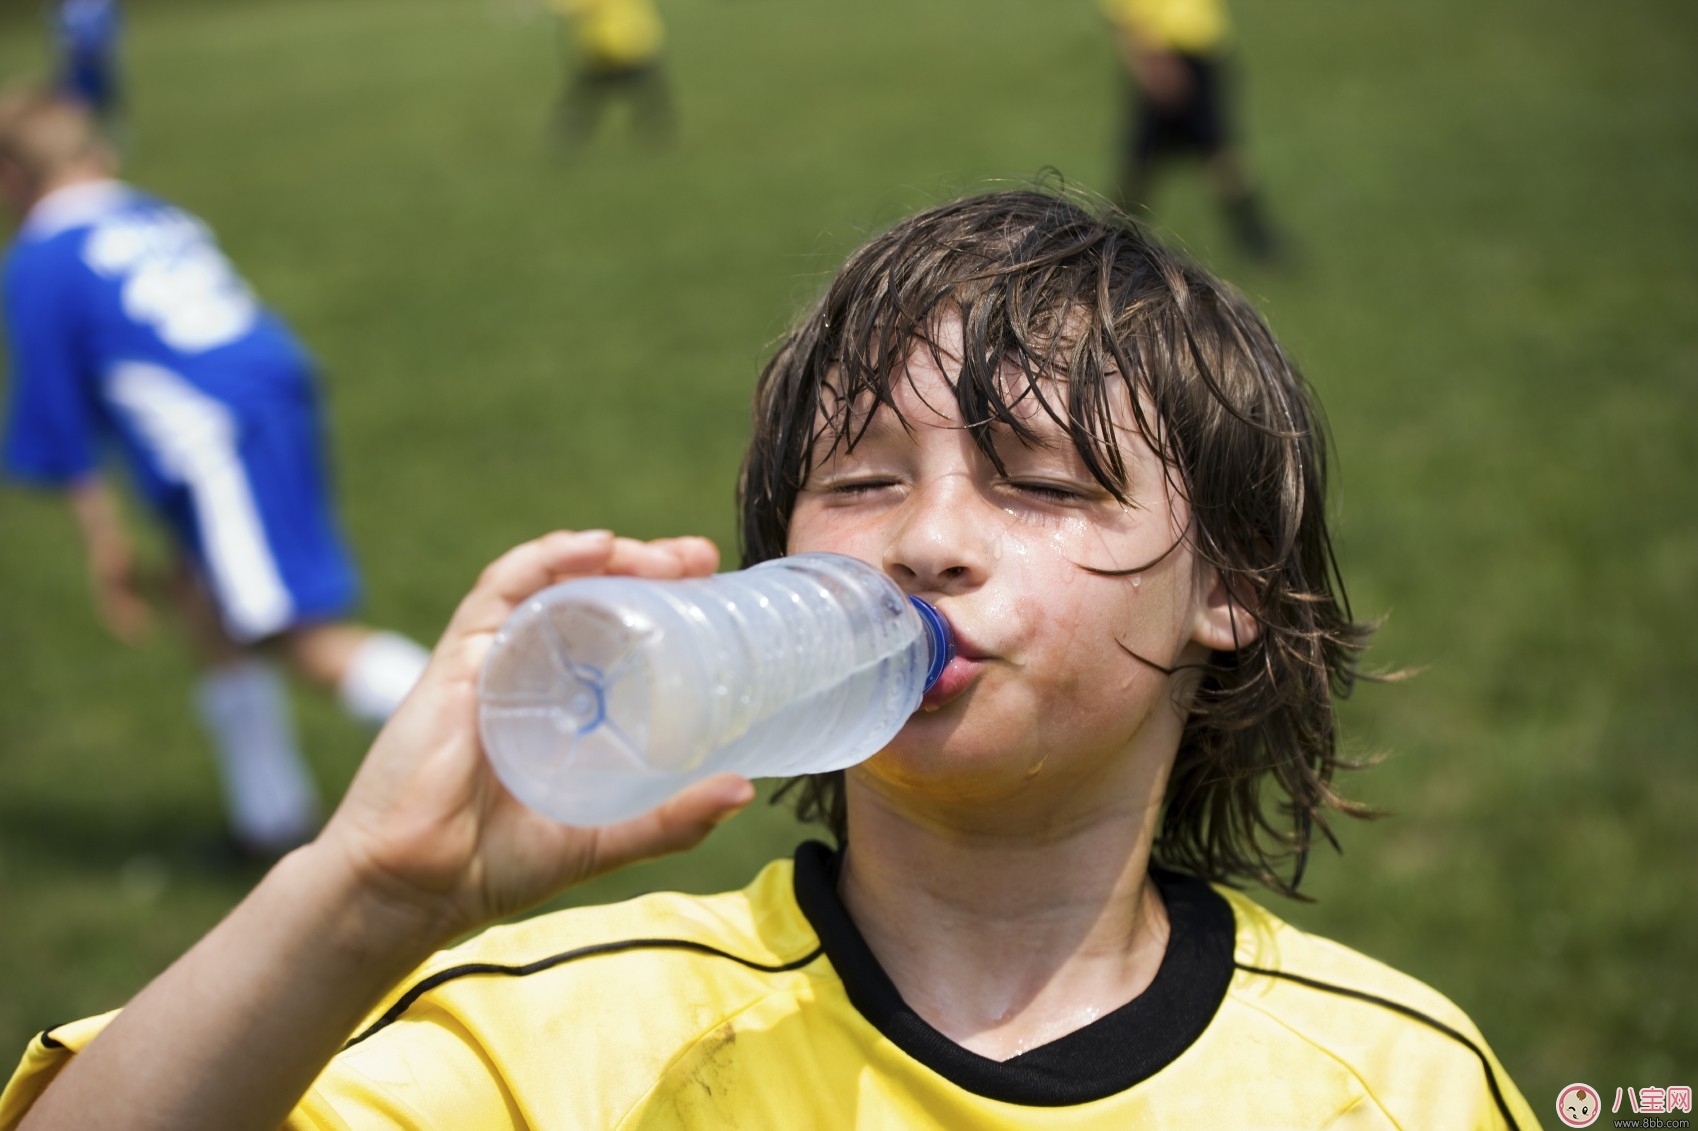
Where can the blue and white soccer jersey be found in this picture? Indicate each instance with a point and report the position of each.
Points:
(127, 325)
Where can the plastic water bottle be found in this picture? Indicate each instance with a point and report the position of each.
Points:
(604, 696)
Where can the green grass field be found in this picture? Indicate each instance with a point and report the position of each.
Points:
(1494, 210)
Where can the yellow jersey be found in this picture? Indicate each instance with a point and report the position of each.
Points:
(764, 1008)
(615, 33)
(1192, 27)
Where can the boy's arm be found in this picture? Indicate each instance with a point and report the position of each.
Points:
(425, 846)
(50, 430)
(1158, 71)
(111, 559)
(50, 422)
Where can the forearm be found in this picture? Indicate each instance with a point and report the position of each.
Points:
(425, 845)
(118, 591)
(234, 1032)
(99, 521)
(94, 506)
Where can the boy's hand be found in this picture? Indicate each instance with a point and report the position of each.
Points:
(118, 595)
(1158, 71)
(427, 826)
(1163, 77)
(426, 845)
(114, 579)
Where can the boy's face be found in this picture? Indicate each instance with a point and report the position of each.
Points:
(1043, 691)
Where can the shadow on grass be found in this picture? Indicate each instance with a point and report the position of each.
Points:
(59, 834)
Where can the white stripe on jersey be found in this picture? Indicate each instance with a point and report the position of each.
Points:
(72, 207)
(192, 438)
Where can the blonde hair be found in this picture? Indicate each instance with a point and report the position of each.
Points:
(45, 133)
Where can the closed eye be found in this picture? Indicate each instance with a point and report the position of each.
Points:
(849, 488)
(1048, 492)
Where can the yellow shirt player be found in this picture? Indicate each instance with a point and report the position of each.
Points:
(1024, 922)
(1176, 55)
(614, 34)
(1194, 27)
(617, 49)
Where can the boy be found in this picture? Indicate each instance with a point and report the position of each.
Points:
(618, 49)
(1175, 53)
(86, 33)
(1096, 463)
(126, 325)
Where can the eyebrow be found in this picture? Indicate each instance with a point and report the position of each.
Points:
(1041, 421)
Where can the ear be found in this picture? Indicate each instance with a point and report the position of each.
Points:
(1224, 619)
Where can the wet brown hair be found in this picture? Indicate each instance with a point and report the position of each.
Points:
(1076, 299)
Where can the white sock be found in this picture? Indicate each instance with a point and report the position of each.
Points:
(268, 790)
(382, 671)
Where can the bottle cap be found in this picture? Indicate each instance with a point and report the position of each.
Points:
(943, 641)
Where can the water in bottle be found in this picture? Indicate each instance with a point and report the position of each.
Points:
(602, 697)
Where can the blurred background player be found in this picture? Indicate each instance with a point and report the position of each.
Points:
(128, 327)
(615, 56)
(1175, 52)
(86, 35)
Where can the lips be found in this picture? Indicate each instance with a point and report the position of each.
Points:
(957, 675)
(963, 668)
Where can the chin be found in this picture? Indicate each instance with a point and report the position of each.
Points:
(948, 772)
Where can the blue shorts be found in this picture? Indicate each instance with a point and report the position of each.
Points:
(247, 498)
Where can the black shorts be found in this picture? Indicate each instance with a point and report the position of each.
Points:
(1196, 125)
(617, 73)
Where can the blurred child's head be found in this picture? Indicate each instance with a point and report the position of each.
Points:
(1053, 305)
(44, 139)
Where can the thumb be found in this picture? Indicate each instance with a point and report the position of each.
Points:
(672, 826)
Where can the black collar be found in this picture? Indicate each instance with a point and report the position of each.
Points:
(1109, 1055)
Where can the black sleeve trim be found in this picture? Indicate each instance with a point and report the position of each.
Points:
(1407, 1011)
(48, 1040)
(470, 969)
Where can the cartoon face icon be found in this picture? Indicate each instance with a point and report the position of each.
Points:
(1578, 1105)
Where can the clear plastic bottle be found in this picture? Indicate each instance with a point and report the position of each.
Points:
(604, 696)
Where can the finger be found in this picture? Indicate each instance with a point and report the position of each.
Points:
(525, 569)
(673, 826)
(699, 556)
(660, 560)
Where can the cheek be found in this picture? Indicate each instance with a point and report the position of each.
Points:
(1090, 627)
(1071, 620)
(816, 528)
(856, 538)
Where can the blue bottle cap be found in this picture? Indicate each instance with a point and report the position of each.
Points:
(943, 641)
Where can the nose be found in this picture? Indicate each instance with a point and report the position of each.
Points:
(940, 540)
